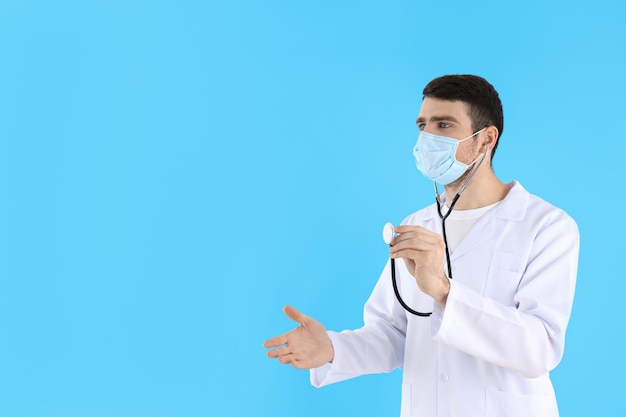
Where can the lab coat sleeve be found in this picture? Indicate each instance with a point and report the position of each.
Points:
(528, 338)
(376, 347)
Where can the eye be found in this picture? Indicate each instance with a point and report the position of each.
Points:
(444, 125)
(421, 126)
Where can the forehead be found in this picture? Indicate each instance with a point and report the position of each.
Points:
(437, 109)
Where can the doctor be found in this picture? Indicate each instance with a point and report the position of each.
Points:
(498, 324)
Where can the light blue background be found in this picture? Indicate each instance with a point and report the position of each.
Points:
(173, 172)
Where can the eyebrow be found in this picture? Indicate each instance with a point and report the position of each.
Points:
(437, 119)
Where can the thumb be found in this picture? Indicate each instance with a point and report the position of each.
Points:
(294, 314)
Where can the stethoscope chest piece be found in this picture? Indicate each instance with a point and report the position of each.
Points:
(388, 233)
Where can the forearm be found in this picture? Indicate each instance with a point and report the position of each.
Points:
(371, 349)
(507, 337)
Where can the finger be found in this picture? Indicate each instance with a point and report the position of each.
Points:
(411, 254)
(416, 244)
(422, 234)
(275, 353)
(299, 364)
(419, 257)
(408, 228)
(294, 314)
(275, 341)
(286, 359)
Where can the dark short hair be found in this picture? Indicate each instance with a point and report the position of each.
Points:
(485, 107)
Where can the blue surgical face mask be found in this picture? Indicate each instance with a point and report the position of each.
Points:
(435, 157)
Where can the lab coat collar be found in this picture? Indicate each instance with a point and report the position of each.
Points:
(511, 208)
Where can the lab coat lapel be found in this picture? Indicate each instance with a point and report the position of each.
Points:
(513, 207)
(431, 220)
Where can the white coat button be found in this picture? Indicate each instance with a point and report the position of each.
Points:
(444, 377)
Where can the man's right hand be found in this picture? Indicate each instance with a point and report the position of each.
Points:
(305, 347)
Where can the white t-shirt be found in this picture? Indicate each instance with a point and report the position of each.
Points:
(461, 221)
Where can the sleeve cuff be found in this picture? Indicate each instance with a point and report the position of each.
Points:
(318, 375)
(437, 318)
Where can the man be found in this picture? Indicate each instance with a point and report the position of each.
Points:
(498, 276)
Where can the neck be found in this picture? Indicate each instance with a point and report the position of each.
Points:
(484, 189)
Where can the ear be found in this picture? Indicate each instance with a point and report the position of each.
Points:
(491, 135)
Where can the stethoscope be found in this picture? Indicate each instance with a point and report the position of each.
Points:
(389, 234)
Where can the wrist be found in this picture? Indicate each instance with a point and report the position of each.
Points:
(442, 296)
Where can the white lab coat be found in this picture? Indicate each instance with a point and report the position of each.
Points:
(490, 351)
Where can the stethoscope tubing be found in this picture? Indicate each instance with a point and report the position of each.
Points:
(445, 241)
(399, 297)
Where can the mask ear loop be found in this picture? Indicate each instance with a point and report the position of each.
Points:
(465, 184)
